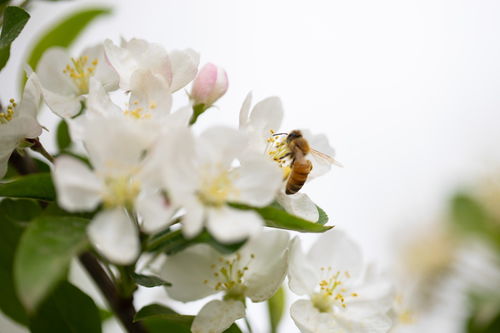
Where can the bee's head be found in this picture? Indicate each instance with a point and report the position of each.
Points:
(295, 134)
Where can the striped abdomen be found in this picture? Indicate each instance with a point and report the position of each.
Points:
(298, 176)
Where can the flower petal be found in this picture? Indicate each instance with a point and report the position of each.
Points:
(188, 270)
(257, 180)
(50, 71)
(150, 93)
(220, 145)
(335, 249)
(229, 225)
(103, 73)
(299, 204)
(78, 188)
(184, 67)
(65, 106)
(302, 277)
(267, 269)
(98, 101)
(267, 115)
(245, 110)
(154, 211)
(115, 236)
(309, 320)
(192, 223)
(217, 316)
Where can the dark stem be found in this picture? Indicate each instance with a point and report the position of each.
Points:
(38, 147)
(121, 306)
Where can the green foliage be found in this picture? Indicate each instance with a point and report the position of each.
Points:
(35, 186)
(153, 310)
(485, 313)
(471, 218)
(63, 138)
(44, 254)
(64, 32)
(14, 217)
(173, 242)
(67, 309)
(323, 216)
(149, 281)
(159, 319)
(15, 19)
(276, 308)
(277, 217)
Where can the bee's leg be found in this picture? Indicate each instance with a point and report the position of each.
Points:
(286, 155)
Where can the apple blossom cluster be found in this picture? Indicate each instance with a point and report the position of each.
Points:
(143, 173)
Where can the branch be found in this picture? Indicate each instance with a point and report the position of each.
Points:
(122, 307)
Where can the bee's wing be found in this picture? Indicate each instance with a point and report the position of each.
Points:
(326, 158)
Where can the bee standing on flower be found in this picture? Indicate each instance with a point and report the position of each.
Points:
(300, 167)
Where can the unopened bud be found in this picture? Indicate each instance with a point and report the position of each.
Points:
(210, 84)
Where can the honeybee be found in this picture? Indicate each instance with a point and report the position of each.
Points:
(301, 167)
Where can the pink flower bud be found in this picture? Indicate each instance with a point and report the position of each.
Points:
(210, 84)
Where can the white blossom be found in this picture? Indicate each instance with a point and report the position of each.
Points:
(65, 80)
(176, 68)
(18, 122)
(343, 296)
(119, 181)
(203, 174)
(256, 271)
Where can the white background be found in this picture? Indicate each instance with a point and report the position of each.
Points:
(407, 91)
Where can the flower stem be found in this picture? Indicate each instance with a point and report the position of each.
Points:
(122, 307)
(39, 148)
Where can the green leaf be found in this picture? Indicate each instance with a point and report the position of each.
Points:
(67, 309)
(64, 32)
(153, 310)
(14, 217)
(159, 319)
(14, 21)
(470, 217)
(323, 216)
(173, 242)
(276, 308)
(44, 254)
(149, 281)
(35, 186)
(63, 138)
(278, 218)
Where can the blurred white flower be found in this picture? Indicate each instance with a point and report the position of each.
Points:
(202, 174)
(210, 84)
(343, 295)
(65, 80)
(176, 68)
(19, 122)
(256, 271)
(120, 181)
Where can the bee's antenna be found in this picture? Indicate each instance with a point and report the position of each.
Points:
(280, 134)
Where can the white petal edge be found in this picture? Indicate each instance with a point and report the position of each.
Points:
(229, 225)
(115, 236)
(78, 188)
(217, 316)
(302, 277)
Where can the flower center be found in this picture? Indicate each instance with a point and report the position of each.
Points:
(214, 191)
(121, 191)
(278, 151)
(138, 112)
(229, 276)
(80, 72)
(332, 291)
(6, 116)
